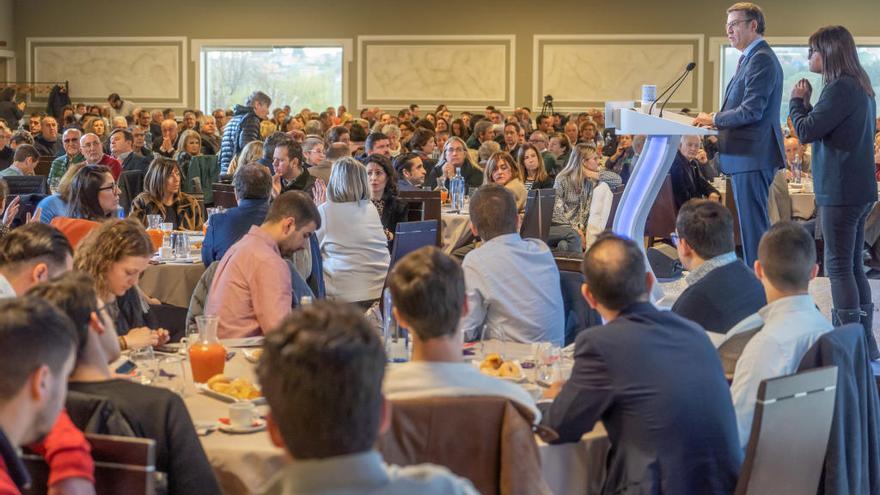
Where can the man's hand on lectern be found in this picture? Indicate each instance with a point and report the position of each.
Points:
(704, 120)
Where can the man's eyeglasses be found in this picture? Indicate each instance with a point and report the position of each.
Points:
(732, 24)
(71, 140)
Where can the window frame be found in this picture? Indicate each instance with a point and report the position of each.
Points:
(198, 57)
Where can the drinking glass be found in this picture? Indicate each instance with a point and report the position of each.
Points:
(180, 245)
(154, 222)
(146, 364)
(171, 374)
(166, 228)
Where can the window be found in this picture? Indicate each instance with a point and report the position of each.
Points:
(793, 58)
(299, 76)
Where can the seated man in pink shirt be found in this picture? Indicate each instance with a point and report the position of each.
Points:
(251, 291)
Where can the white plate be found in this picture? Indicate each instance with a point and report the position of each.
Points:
(228, 398)
(243, 342)
(515, 379)
(251, 355)
(257, 425)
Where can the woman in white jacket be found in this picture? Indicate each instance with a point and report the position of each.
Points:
(583, 195)
(353, 244)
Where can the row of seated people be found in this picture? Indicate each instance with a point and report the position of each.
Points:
(705, 423)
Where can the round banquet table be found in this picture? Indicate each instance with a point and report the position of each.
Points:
(455, 226)
(244, 463)
(172, 283)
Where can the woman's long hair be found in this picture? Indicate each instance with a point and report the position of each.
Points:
(839, 56)
(384, 162)
(541, 174)
(84, 190)
(573, 171)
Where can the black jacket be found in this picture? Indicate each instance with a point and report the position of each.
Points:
(841, 127)
(10, 112)
(656, 383)
(48, 148)
(687, 183)
(160, 414)
(242, 128)
(722, 298)
(135, 162)
(852, 461)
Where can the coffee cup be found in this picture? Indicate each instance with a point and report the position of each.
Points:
(242, 414)
(166, 252)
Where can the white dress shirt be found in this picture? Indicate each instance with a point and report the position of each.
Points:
(513, 288)
(791, 326)
(422, 379)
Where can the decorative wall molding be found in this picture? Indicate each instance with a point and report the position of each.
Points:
(150, 71)
(582, 71)
(464, 72)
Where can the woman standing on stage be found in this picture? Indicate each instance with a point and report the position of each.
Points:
(841, 127)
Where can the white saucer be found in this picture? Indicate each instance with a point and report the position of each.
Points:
(257, 425)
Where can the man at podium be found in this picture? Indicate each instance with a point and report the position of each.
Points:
(749, 134)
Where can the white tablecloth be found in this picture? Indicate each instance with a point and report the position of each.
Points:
(244, 463)
(454, 227)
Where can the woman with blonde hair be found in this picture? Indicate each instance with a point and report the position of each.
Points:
(162, 196)
(55, 205)
(251, 152)
(188, 146)
(352, 240)
(115, 254)
(583, 201)
(267, 127)
(501, 169)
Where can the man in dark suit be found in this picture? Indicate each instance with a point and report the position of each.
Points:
(750, 135)
(253, 185)
(654, 380)
(721, 289)
(122, 148)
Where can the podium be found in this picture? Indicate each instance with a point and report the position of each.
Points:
(663, 137)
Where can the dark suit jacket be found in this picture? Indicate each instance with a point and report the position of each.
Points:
(687, 183)
(656, 383)
(225, 229)
(135, 162)
(749, 130)
(841, 127)
(852, 461)
(722, 298)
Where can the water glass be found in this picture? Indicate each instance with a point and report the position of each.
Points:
(548, 362)
(166, 228)
(147, 366)
(180, 245)
(171, 374)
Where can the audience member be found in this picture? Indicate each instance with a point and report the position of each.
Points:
(672, 427)
(10, 110)
(512, 283)
(321, 373)
(290, 174)
(253, 186)
(122, 148)
(791, 322)
(483, 131)
(24, 161)
(583, 201)
(115, 254)
(795, 152)
(352, 240)
(252, 152)
(141, 145)
(533, 167)
(721, 290)
(34, 375)
(166, 144)
(427, 288)
(153, 412)
(243, 127)
(268, 149)
(97, 126)
(70, 141)
(19, 138)
(6, 152)
(383, 193)
(47, 142)
(455, 157)
(510, 138)
(208, 134)
(31, 254)
(541, 141)
(410, 172)
(621, 161)
(93, 152)
(188, 146)
(118, 106)
(501, 169)
(687, 182)
(162, 196)
(56, 204)
(252, 289)
(317, 163)
(377, 143)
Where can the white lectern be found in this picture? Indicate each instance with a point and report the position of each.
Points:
(663, 137)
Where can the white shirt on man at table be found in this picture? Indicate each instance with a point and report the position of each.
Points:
(513, 288)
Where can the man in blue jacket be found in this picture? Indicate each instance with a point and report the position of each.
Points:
(654, 380)
(252, 184)
(750, 135)
(243, 127)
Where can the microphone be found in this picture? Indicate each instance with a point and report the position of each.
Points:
(687, 71)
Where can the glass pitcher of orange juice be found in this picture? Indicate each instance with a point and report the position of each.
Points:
(207, 356)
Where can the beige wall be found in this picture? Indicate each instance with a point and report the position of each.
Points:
(350, 18)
